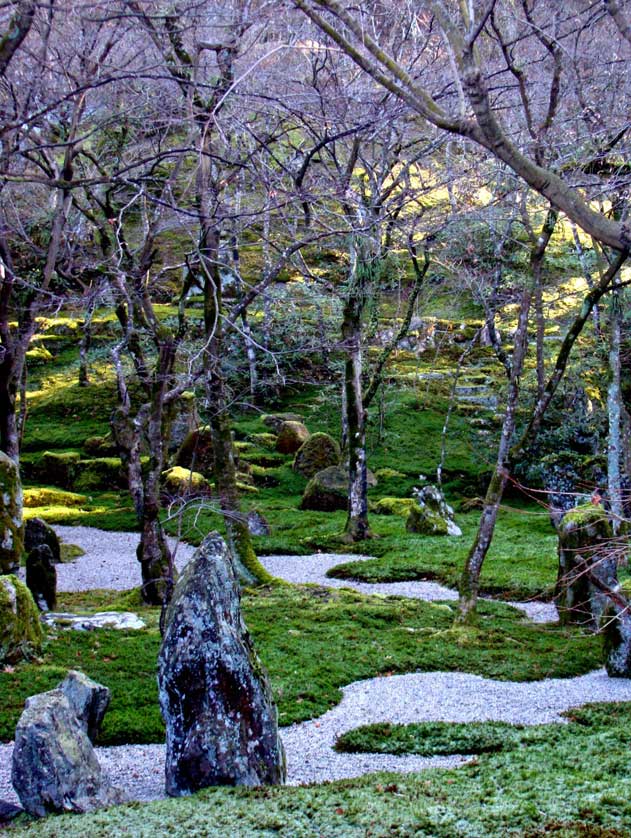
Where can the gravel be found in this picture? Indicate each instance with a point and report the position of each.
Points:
(448, 696)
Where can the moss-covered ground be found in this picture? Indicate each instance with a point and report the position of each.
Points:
(567, 781)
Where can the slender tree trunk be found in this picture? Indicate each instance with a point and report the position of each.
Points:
(470, 579)
(614, 401)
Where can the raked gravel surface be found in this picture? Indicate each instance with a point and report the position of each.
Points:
(110, 562)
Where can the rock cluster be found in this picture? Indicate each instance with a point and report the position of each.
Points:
(54, 766)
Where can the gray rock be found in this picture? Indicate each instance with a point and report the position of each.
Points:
(38, 532)
(273, 421)
(54, 766)
(433, 515)
(184, 422)
(89, 622)
(11, 524)
(41, 577)
(616, 627)
(88, 699)
(215, 697)
(257, 523)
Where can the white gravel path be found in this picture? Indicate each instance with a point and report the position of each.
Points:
(110, 563)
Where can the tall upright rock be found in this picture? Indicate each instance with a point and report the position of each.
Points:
(11, 525)
(215, 697)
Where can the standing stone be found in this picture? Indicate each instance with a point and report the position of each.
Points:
(432, 515)
(184, 421)
(196, 452)
(584, 548)
(21, 632)
(214, 694)
(257, 523)
(41, 577)
(616, 627)
(88, 699)
(55, 768)
(38, 532)
(11, 526)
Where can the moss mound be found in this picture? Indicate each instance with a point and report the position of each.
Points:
(395, 506)
(319, 452)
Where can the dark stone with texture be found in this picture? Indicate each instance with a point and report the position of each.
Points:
(319, 452)
(196, 452)
(41, 577)
(9, 811)
(54, 766)
(88, 699)
(38, 532)
(616, 627)
(327, 491)
(215, 697)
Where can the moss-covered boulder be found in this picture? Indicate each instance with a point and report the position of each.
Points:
(100, 446)
(182, 482)
(394, 506)
(291, 436)
(431, 515)
(58, 468)
(319, 452)
(21, 632)
(274, 421)
(101, 473)
(425, 522)
(11, 525)
(196, 452)
(47, 496)
(327, 491)
(587, 561)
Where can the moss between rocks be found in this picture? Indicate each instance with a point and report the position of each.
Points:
(21, 634)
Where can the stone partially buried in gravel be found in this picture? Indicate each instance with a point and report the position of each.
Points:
(319, 452)
(54, 766)
(215, 697)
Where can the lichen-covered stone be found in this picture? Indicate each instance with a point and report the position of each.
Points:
(291, 436)
(110, 620)
(319, 452)
(21, 633)
(182, 482)
(11, 525)
(36, 533)
(41, 577)
(196, 452)
(327, 491)
(257, 523)
(616, 629)
(394, 506)
(274, 421)
(584, 549)
(431, 515)
(88, 699)
(54, 766)
(215, 697)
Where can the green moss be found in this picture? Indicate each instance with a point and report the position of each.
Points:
(21, 633)
(585, 515)
(267, 441)
(394, 506)
(101, 473)
(181, 481)
(47, 496)
(70, 552)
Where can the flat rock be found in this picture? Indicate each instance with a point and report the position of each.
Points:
(87, 622)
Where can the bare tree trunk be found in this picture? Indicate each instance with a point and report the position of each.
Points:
(614, 401)
(470, 579)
